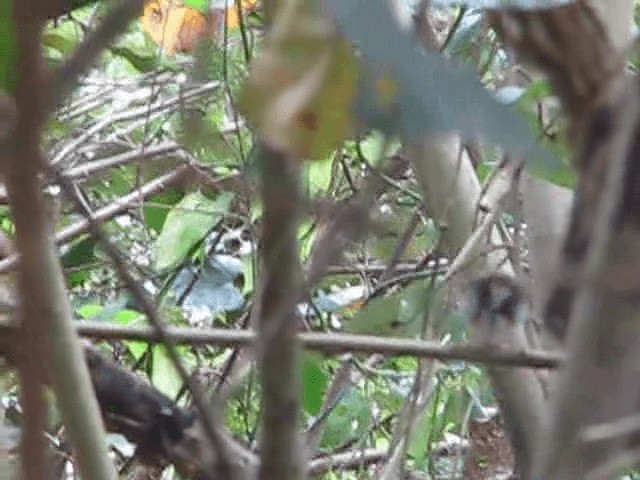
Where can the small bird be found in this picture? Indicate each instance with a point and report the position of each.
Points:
(498, 310)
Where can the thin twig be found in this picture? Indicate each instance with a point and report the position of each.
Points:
(329, 343)
(107, 212)
(347, 460)
(144, 112)
(144, 152)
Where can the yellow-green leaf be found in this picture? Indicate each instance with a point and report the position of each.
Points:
(299, 91)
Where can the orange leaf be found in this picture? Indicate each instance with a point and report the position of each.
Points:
(176, 27)
(233, 17)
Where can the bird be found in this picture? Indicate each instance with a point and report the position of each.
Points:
(498, 311)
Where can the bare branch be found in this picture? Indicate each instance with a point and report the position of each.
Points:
(45, 310)
(328, 343)
(347, 460)
(276, 320)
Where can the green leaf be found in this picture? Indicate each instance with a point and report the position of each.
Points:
(8, 48)
(118, 315)
(418, 444)
(203, 136)
(142, 63)
(318, 176)
(75, 4)
(126, 317)
(248, 273)
(89, 310)
(80, 254)
(300, 88)
(202, 5)
(157, 208)
(58, 42)
(314, 383)
(349, 420)
(400, 314)
(163, 376)
(378, 317)
(373, 147)
(538, 90)
(306, 238)
(186, 225)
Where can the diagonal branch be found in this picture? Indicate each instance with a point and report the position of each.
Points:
(45, 309)
(227, 460)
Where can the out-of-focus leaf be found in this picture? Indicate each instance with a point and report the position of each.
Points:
(307, 233)
(300, 88)
(314, 383)
(78, 253)
(89, 310)
(376, 146)
(127, 317)
(528, 103)
(456, 326)
(8, 48)
(186, 225)
(387, 225)
(537, 91)
(412, 93)
(177, 27)
(174, 27)
(201, 135)
(227, 9)
(418, 444)
(378, 317)
(521, 4)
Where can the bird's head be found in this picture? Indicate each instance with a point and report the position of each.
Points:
(497, 309)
